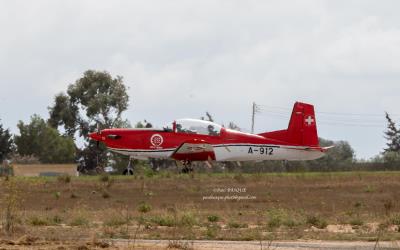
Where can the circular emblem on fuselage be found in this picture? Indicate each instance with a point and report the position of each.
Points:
(156, 140)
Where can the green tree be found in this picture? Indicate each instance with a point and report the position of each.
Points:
(144, 124)
(341, 155)
(342, 151)
(41, 140)
(94, 101)
(6, 143)
(392, 134)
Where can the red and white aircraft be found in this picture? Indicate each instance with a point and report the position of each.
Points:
(190, 140)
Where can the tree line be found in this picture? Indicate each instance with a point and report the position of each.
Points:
(97, 101)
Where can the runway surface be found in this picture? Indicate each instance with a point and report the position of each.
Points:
(279, 245)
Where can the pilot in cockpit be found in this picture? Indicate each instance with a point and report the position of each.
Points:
(211, 130)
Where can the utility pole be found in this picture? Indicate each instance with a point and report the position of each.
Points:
(255, 110)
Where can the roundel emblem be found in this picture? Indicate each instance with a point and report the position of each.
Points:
(156, 140)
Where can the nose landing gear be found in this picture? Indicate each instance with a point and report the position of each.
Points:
(187, 167)
(129, 168)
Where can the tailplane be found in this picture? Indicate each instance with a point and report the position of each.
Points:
(302, 129)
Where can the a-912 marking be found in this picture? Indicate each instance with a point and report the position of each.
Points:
(261, 150)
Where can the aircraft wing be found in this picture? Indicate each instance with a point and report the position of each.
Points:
(195, 150)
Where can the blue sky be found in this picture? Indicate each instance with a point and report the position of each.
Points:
(182, 58)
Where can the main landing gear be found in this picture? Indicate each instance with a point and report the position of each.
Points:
(187, 167)
(129, 168)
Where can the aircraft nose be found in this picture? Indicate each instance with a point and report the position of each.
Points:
(95, 136)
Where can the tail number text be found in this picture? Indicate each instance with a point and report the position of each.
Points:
(261, 150)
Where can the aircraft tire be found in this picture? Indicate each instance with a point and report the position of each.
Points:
(128, 172)
(186, 170)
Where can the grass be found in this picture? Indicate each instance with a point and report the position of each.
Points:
(235, 224)
(215, 176)
(39, 221)
(11, 200)
(104, 178)
(186, 219)
(116, 221)
(79, 221)
(316, 221)
(356, 222)
(369, 189)
(279, 217)
(163, 220)
(172, 205)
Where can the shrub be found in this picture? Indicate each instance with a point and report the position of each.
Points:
(144, 207)
(289, 222)
(104, 178)
(148, 172)
(64, 178)
(234, 224)
(38, 221)
(57, 195)
(79, 221)
(56, 219)
(213, 218)
(167, 221)
(188, 219)
(211, 233)
(115, 221)
(356, 222)
(316, 221)
(105, 194)
(395, 219)
(278, 217)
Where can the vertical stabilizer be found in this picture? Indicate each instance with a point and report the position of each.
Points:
(302, 129)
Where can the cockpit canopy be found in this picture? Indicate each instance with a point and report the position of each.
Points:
(194, 126)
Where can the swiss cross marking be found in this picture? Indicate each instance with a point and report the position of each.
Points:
(309, 120)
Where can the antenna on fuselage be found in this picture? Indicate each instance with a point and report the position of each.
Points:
(255, 110)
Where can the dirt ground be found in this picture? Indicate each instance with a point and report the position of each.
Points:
(81, 212)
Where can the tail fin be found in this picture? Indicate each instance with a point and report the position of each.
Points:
(302, 129)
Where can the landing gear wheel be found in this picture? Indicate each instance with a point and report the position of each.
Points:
(187, 167)
(129, 168)
(128, 171)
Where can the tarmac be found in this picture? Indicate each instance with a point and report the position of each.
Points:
(239, 245)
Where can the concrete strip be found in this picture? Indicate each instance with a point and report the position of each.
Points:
(279, 245)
